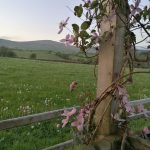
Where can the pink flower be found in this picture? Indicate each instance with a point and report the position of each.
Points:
(69, 39)
(73, 86)
(126, 104)
(141, 109)
(135, 8)
(85, 110)
(121, 91)
(79, 122)
(87, 1)
(117, 117)
(124, 100)
(67, 114)
(62, 24)
(95, 37)
(65, 121)
(128, 108)
(146, 131)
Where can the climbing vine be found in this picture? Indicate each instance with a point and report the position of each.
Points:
(88, 35)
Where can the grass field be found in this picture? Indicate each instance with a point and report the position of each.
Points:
(53, 55)
(32, 86)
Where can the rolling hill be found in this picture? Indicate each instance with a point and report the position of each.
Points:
(39, 45)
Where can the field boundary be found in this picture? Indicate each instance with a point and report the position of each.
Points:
(25, 120)
(54, 60)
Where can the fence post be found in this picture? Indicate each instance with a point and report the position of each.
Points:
(109, 67)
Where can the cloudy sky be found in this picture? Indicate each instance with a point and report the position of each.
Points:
(24, 20)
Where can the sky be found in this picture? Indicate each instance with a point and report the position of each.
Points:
(33, 19)
(25, 20)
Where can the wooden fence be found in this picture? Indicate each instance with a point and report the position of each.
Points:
(25, 120)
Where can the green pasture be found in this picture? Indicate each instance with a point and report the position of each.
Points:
(33, 86)
(52, 55)
(45, 55)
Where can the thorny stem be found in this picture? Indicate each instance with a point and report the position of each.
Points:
(105, 94)
(101, 119)
(142, 40)
(129, 60)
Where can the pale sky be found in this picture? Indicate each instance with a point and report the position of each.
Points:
(34, 19)
(25, 20)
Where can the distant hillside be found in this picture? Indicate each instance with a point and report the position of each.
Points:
(142, 49)
(39, 45)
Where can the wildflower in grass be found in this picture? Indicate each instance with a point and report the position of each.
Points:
(73, 86)
(62, 25)
(5, 109)
(32, 127)
(25, 109)
(28, 133)
(67, 99)
(58, 125)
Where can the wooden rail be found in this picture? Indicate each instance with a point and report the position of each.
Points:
(139, 115)
(25, 120)
(141, 101)
(61, 146)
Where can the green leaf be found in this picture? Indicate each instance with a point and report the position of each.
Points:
(148, 46)
(75, 28)
(148, 27)
(87, 15)
(85, 25)
(94, 4)
(84, 34)
(93, 31)
(86, 5)
(138, 17)
(132, 36)
(78, 10)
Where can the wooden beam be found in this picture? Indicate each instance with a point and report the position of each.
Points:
(141, 101)
(139, 115)
(61, 146)
(138, 143)
(109, 68)
(25, 120)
